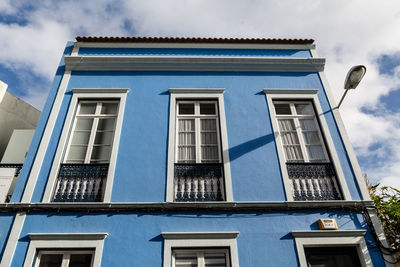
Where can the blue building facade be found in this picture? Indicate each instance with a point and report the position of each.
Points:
(189, 152)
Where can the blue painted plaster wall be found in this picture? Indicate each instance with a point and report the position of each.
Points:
(193, 52)
(135, 239)
(6, 220)
(34, 146)
(142, 157)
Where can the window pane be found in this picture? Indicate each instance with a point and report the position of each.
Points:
(311, 138)
(101, 153)
(293, 153)
(332, 257)
(109, 108)
(308, 125)
(51, 260)
(77, 153)
(186, 109)
(88, 108)
(286, 125)
(209, 138)
(282, 109)
(209, 154)
(304, 109)
(80, 138)
(215, 260)
(103, 138)
(84, 124)
(207, 109)
(186, 260)
(186, 125)
(315, 152)
(106, 124)
(80, 260)
(208, 125)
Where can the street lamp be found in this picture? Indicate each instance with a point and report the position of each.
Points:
(353, 78)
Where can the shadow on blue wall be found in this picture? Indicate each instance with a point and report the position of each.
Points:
(239, 150)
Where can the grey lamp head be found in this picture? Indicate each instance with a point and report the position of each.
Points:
(354, 77)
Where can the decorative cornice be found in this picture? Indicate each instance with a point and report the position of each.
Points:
(242, 64)
(328, 233)
(272, 91)
(185, 206)
(67, 236)
(199, 235)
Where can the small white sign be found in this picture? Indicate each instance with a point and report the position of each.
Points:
(6, 177)
(327, 224)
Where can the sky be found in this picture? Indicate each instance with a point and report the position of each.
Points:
(33, 35)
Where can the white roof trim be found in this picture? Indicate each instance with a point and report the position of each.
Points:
(146, 63)
(195, 45)
(199, 235)
(328, 233)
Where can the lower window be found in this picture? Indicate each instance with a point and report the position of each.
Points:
(332, 256)
(67, 258)
(200, 258)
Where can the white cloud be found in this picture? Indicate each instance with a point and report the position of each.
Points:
(346, 33)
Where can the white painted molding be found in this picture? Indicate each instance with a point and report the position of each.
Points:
(64, 241)
(332, 238)
(164, 63)
(194, 45)
(196, 90)
(328, 233)
(290, 91)
(99, 90)
(199, 235)
(12, 240)
(67, 236)
(200, 240)
(362, 185)
(84, 93)
(197, 93)
(325, 131)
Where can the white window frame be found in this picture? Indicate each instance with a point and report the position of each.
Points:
(198, 241)
(66, 255)
(331, 238)
(82, 94)
(96, 117)
(311, 95)
(200, 255)
(63, 241)
(197, 116)
(180, 94)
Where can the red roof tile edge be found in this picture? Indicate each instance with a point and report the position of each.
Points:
(192, 40)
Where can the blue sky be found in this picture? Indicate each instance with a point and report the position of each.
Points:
(34, 33)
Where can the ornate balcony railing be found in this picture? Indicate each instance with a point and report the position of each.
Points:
(80, 183)
(7, 183)
(313, 181)
(199, 182)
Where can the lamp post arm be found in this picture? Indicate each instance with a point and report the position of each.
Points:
(341, 100)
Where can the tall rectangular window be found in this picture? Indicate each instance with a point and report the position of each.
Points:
(200, 258)
(312, 175)
(198, 132)
(93, 132)
(67, 258)
(300, 133)
(198, 160)
(83, 173)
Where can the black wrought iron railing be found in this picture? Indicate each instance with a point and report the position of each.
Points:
(11, 184)
(313, 181)
(81, 183)
(199, 182)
